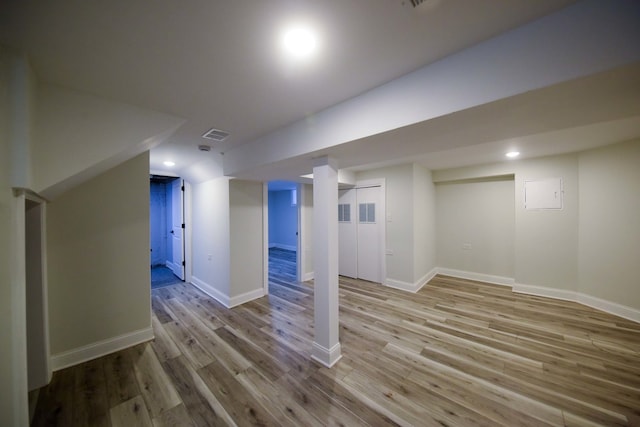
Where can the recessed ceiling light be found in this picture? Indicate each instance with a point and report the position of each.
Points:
(169, 163)
(299, 41)
(512, 154)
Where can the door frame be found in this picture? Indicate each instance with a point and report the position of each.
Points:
(265, 235)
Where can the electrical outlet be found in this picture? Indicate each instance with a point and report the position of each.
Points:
(466, 246)
(209, 257)
(389, 252)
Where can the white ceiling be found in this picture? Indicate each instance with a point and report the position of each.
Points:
(217, 63)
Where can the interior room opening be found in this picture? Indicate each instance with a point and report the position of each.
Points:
(166, 223)
(283, 230)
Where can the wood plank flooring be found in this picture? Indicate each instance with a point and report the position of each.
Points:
(457, 353)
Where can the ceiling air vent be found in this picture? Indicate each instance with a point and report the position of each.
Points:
(216, 134)
(422, 4)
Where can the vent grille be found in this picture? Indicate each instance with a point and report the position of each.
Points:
(423, 4)
(216, 134)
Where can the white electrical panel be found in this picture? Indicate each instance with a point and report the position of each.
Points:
(543, 194)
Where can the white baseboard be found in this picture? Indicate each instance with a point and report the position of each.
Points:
(411, 287)
(610, 307)
(246, 297)
(223, 299)
(588, 300)
(281, 246)
(481, 277)
(211, 291)
(543, 291)
(326, 356)
(100, 348)
(307, 276)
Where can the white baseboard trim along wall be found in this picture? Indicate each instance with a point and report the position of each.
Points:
(412, 287)
(543, 291)
(223, 299)
(100, 348)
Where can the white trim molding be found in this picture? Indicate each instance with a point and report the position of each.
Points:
(100, 348)
(307, 276)
(610, 307)
(411, 287)
(227, 301)
(211, 291)
(326, 356)
(481, 277)
(543, 291)
(246, 297)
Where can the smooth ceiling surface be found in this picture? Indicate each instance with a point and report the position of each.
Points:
(218, 63)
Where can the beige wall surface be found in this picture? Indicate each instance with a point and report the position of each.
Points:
(305, 198)
(609, 223)
(546, 241)
(210, 231)
(67, 120)
(8, 411)
(98, 253)
(399, 206)
(479, 213)
(424, 223)
(245, 211)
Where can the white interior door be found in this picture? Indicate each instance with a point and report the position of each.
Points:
(177, 227)
(347, 240)
(370, 220)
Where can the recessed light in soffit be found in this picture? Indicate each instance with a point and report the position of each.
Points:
(216, 134)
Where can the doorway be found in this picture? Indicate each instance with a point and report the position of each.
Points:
(167, 232)
(283, 230)
(361, 230)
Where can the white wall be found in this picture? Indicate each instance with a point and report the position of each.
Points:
(609, 223)
(480, 213)
(588, 251)
(283, 220)
(399, 206)
(546, 241)
(545, 249)
(410, 223)
(227, 245)
(247, 267)
(211, 239)
(424, 224)
(158, 223)
(79, 136)
(305, 199)
(98, 253)
(13, 404)
(599, 35)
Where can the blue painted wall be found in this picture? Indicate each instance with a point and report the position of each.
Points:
(283, 220)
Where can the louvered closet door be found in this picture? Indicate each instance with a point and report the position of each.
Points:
(347, 234)
(369, 220)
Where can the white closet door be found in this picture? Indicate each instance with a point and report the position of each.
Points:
(347, 240)
(369, 234)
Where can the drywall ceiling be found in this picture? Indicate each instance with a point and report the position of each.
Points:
(217, 63)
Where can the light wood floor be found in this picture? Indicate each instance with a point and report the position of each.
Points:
(457, 353)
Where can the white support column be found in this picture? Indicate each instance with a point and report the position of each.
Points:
(326, 345)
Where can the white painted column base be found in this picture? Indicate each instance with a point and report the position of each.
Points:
(326, 356)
